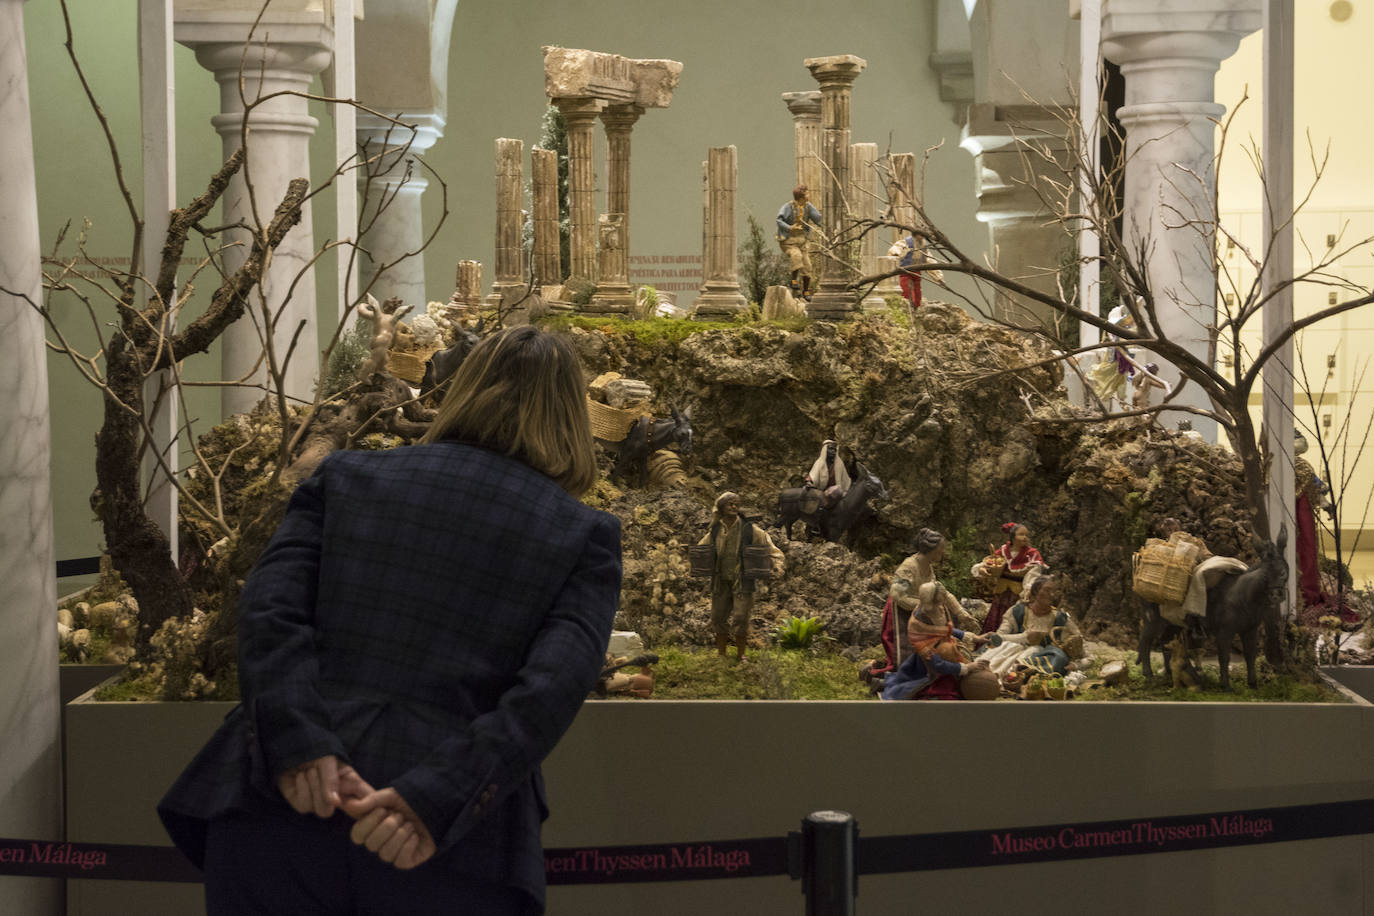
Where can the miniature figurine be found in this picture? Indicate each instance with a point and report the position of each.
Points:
(796, 219)
(828, 476)
(914, 572)
(384, 319)
(935, 668)
(1037, 634)
(906, 250)
(1004, 569)
(732, 585)
(1146, 380)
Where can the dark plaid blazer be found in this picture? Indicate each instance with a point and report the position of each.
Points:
(434, 615)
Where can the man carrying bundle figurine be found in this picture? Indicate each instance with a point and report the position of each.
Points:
(796, 219)
(739, 554)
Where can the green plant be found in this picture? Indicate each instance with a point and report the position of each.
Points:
(798, 632)
(346, 358)
(554, 136)
(759, 265)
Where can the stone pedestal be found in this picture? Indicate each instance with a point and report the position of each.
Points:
(1009, 144)
(580, 116)
(720, 295)
(836, 76)
(391, 184)
(467, 289)
(548, 270)
(30, 765)
(286, 51)
(806, 136)
(509, 280)
(1169, 60)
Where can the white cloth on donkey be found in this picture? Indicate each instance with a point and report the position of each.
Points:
(1204, 576)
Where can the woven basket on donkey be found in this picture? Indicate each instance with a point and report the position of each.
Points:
(609, 423)
(409, 365)
(1162, 569)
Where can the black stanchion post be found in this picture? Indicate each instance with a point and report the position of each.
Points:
(829, 872)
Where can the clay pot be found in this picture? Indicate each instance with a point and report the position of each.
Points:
(980, 684)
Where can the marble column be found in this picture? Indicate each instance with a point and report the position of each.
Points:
(580, 115)
(509, 277)
(863, 159)
(613, 293)
(1169, 59)
(391, 186)
(720, 295)
(285, 53)
(30, 765)
(548, 269)
(806, 136)
(1018, 150)
(836, 76)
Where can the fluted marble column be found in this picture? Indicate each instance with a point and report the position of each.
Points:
(1169, 59)
(548, 269)
(285, 53)
(806, 136)
(613, 291)
(901, 201)
(393, 182)
(720, 295)
(836, 76)
(580, 115)
(510, 250)
(30, 765)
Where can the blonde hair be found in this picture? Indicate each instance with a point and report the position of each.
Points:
(520, 392)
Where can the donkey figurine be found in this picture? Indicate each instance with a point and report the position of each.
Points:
(647, 436)
(835, 521)
(1236, 606)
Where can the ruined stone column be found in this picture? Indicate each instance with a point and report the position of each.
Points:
(720, 295)
(548, 268)
(613, 293)
(580, 115)
(510, 256)
(901, 199)
(863, 158)
(836, 76)
(806, 133)
(467, 289)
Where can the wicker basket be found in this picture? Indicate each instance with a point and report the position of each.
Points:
(409, 365)
(609, 423)
(1161, 569)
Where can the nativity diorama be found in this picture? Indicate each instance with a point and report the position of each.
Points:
(840, 474)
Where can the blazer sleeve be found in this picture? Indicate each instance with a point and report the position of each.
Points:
(467, 774)
(278, 668)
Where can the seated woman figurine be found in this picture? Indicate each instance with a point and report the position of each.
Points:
(1036, 633)
(1004, 570)
(935, 666)
(915, 571)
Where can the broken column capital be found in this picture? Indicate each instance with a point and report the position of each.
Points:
(575, 73)
(842, 69)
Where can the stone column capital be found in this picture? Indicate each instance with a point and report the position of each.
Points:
(804, 105)
(838, 70)
(620, 117)
(297, 41)
(1173, 54)
(579, 109)
(418, 130)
